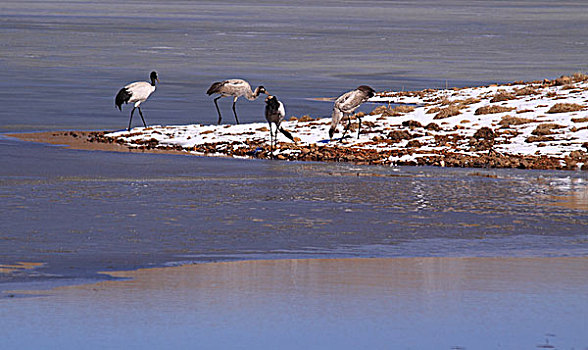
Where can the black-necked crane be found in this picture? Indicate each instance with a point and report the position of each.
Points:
(235, 88)
(346, 104)
(136, 93)
(275, 114)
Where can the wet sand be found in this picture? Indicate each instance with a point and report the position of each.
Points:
(80, 140)
(96, 141)
(442, 303)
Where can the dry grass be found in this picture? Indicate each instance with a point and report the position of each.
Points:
(392, 112)
(465, 102)
(563, 80)
(580, 120)
(306, 118)
(403, 109)
(433, 110)
(539, 139)
(468, 101)
(433, 127)
(565, 108)
(526, 91)
(525, 111)
(412, 124)
(566, 80)
(546, 129)
(492, 110)
(447, 112)
(507, 121)
(485, 133)
(551, 94)
(503, 96)
(578, 77)
(383, 110)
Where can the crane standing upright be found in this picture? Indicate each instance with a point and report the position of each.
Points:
(136, 93)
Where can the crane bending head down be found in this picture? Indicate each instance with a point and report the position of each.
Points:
(346, 104)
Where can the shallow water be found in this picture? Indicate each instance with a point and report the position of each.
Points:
(117, 211)
(417, 303)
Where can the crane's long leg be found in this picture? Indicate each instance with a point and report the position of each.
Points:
(131, 119)
(275, 140)
(218, 110)
(347, 127)
(271, 136)
(141, 114)
(234, 111)
(358, 126)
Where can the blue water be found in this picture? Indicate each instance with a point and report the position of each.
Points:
(439, 303)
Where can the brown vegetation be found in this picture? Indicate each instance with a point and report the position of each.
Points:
(403, 109)
(507, 121)
(502, 96)
(412, 124)
(398, 135)
(392, 112)
(541, 138)
(565, 108)
(525, 111)
(525, 91)
(492, 110)
(447, 112)
(306, 118)
(546, 128)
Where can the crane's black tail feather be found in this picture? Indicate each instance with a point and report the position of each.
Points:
(123, 96)
(214, 88)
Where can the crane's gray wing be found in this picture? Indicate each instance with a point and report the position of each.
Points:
(349, 101)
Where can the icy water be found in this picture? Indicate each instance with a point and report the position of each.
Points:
(77, 213)
(414, 303)
(61, 63)
(80, 212)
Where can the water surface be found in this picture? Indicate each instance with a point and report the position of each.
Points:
(414, 303)
(63, 62)
(81, 212)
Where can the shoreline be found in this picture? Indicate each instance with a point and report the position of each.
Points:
(534, 125)
(98, 141)
(151, 276)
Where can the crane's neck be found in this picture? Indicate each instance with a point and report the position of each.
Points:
(252, 95)
(152, 81)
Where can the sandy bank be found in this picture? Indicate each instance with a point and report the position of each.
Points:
(532, 125)
(82, 140)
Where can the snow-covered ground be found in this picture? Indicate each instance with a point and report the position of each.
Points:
(543, 118)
